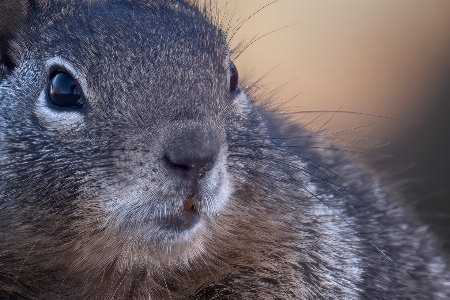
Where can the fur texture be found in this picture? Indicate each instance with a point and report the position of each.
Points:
(94, 200)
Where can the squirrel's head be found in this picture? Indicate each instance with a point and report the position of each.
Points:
(114, 122)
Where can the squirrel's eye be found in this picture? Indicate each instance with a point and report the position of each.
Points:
(64, 91)
(234, 79)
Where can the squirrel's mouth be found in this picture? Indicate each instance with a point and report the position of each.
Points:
(185, 220)
(190, 203)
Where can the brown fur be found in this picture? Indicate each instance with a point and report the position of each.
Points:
(84, 193)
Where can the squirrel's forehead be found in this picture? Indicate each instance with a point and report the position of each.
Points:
(122, 35)
(115, 23)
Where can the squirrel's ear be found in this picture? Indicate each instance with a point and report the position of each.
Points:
(13, 16)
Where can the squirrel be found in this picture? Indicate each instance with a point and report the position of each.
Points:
(135, 165)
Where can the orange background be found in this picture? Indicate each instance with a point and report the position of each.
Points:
(379, 57)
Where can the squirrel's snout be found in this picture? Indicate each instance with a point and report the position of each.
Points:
(191, 153)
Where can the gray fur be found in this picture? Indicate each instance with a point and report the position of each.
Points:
(88, 206)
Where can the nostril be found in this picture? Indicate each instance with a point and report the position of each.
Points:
(192, 152)
(175, 165)
(190, 168)
(207, 167)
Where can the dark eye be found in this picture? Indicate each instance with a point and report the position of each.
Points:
(234, 79)
(63, 91)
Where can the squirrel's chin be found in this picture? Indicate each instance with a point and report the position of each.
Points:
(165, 247)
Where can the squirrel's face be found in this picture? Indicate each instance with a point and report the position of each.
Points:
(118, 117)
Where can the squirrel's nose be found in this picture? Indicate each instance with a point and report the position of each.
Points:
(192, 152)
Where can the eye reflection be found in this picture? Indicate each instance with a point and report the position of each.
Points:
(63, 91)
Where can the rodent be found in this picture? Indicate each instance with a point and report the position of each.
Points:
(134, 165)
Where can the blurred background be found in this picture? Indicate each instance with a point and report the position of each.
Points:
(387, 61)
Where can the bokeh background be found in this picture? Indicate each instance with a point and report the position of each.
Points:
(386, 59)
